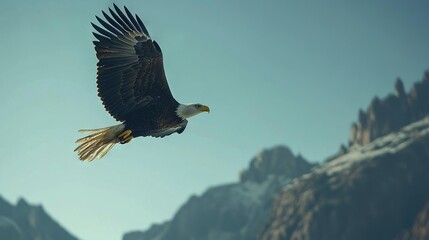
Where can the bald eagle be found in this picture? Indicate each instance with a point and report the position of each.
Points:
(132, 86)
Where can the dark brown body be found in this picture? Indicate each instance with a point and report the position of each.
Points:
(150, 120)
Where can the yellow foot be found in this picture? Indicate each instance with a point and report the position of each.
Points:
(125, 137)
(128, 139)
(125, 134)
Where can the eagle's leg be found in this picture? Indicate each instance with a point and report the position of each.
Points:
(125, 137)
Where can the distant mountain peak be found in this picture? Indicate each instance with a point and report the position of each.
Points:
(277, 161)
(31, 221)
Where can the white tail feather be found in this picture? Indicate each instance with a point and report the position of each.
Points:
(98, 143)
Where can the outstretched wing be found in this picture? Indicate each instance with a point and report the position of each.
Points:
(130, 72)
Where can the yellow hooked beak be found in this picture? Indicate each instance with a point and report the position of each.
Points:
(204, 109)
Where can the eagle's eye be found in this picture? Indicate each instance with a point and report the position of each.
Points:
(197, 105)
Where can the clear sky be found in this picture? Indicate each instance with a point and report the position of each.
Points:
(273, 72)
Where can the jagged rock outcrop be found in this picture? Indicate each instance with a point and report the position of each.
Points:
(236, 211)
(378, 191)
(27, 222)
(391, 113)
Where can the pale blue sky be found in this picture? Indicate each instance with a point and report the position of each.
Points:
(273, 72)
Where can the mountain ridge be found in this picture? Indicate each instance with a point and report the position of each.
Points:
(29, 222)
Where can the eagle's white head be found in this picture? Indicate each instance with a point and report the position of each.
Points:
(186, 111)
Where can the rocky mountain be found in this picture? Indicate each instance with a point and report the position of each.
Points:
(27, 222)
(377, 188)
(376, 191)
(391, 113)
(234, 211)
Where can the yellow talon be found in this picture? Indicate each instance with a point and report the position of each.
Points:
(128, 139)
(125, 137)
(125, 134)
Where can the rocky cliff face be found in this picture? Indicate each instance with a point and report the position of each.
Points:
(391, 113)
(378, 191)
(27, 222)
(234, 211)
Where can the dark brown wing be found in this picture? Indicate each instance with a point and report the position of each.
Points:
(130, 72)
